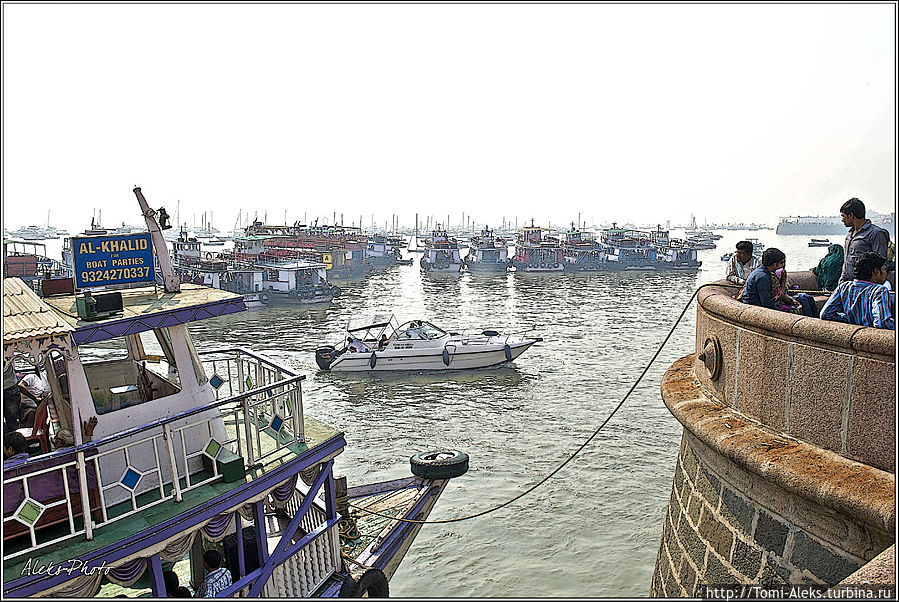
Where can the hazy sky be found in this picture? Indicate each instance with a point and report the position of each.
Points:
(634, 113)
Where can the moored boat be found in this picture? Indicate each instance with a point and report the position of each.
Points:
(487, 253)
(193, 451)
(536, 252)
(819, 242)
(441, 254)
(380, 343)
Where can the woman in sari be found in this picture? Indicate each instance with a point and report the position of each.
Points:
(830, 268)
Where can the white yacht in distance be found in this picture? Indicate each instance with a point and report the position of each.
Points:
(381, 343)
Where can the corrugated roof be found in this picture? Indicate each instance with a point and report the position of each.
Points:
(26, 316)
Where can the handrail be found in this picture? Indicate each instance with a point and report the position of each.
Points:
(166, 420)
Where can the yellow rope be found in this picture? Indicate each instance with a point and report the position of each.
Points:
(570, 457)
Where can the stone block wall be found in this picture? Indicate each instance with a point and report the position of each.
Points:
(726, 526)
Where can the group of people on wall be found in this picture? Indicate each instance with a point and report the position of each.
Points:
(854, 274)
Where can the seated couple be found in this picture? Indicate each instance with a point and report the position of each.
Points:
(766, 286)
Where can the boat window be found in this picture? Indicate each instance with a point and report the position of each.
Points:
(430, 331)
(127, 371)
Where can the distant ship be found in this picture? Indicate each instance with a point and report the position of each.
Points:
(815, 224)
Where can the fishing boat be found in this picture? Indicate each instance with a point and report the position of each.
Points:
(536, 252)
(487, 253)
(441, 254)
(627, 249)
(193, 450)
(819, 242)
(29, 261)
(380, 343)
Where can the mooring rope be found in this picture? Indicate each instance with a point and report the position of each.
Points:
(576, 451)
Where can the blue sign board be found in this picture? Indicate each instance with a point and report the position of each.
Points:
(105, 260)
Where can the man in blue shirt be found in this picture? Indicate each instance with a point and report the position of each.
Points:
(863, 301)
(757, 290)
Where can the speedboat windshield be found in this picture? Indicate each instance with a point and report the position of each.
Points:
(419, 330)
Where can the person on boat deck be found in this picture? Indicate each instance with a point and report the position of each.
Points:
(173, 587)
(830, 268)
(355, 345)
(14, 447)
(414, 330)
(741, 263)
(11, 398)
(382, 342)
(219, 577)
(66, 438)
(863, 237)
(863, 301)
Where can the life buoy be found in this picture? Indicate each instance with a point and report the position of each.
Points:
(542, 264)
(556, 265)
(209, 255)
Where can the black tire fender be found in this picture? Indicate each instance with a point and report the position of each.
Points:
(372, 582)
(439, 464)
(373, 360)
(264, 297)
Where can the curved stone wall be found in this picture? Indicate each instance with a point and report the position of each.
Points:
(785, 474)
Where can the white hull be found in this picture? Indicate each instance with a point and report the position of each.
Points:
(461, 357)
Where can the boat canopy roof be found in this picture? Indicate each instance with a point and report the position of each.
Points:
(26, 317)
(146, 308)
(370, 322)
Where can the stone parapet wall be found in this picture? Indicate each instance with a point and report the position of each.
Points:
(827, 383)
(750, 505)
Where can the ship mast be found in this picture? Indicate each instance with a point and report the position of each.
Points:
(170, 281)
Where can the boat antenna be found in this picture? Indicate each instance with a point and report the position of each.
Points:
(170, 281)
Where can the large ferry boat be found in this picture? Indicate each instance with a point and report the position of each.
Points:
(193, 450)
(817, 224)
(441, 253)
(536, 252)
(487, 253)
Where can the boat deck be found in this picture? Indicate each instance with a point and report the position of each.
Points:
(316, 433)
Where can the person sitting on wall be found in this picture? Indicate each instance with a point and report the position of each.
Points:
(799, 304)
(741, 263)
(830, 268)
(863, 237)
(219, 577)
(757, 290)
(14, 447)
(863, 301)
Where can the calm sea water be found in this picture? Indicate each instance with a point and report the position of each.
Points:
(592, 530)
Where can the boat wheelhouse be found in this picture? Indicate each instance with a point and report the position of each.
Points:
(382, 251)
(628, 249)
(295, 281)
(441, 254)
(487, 253)
(535, 252)
(380, 343)
(582, 252)
(193, 450)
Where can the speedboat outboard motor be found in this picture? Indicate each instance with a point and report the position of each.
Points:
(325, 355)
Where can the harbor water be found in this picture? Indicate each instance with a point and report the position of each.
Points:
(594, 528)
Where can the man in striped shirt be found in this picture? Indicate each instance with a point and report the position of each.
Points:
(863, 301)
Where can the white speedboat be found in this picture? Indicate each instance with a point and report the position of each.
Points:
(381, 343)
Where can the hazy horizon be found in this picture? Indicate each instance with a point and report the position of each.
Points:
(628, 113)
